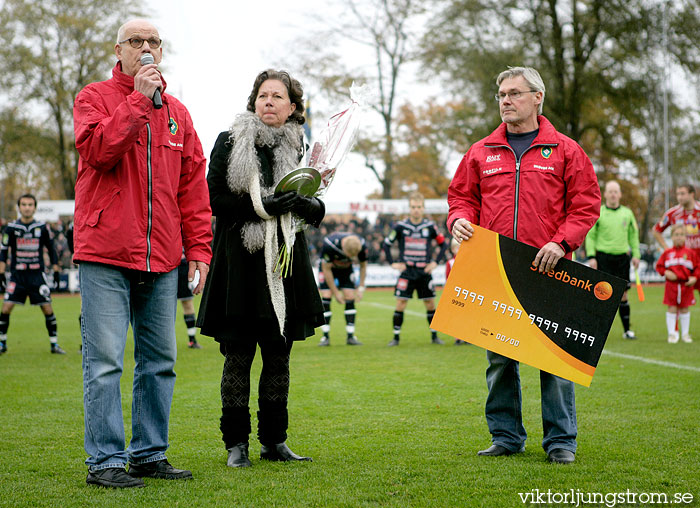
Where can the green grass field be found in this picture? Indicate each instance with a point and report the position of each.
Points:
(385, 426)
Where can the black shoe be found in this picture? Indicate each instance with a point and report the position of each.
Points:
(114, 477)
(561, 456)
(238, 456)
(194, 345)
(280, 453)
(57, 350)
(352, 341)
(460, 342)
(495, 451)
(394, 342)
(159, 469)
(436, 340)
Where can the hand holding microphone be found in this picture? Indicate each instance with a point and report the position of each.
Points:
(147, 82)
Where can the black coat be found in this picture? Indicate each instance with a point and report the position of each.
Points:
(236, 302)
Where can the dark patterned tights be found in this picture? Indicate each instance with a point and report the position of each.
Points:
(273, 389)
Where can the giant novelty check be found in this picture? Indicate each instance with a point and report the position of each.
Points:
(556, 321)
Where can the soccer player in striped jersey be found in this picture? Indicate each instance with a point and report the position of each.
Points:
(336, 278)
(415, 236)
(27, 238)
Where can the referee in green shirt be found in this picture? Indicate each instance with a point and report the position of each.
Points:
(609, 243)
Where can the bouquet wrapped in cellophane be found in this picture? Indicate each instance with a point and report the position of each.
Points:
(337, 139)
(327, 153)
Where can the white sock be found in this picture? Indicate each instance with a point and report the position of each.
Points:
(685, 323)
(671, 324)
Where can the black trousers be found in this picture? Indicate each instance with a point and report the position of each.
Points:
(273, 389)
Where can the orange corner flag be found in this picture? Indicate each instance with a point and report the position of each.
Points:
(640, 291)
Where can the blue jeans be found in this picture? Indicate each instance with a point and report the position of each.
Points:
(111, 299)
(504, 407)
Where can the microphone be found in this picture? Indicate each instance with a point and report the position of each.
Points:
(146, 59)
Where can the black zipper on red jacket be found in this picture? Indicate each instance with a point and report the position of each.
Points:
(517, 180)
(150, 198)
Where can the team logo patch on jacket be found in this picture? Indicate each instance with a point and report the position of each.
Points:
(172, 125)
(546, 152)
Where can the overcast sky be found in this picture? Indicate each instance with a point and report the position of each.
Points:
(213, 50)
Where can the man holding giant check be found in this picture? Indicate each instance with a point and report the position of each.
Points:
(531, 183)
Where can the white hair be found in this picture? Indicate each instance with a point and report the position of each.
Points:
(532, 78)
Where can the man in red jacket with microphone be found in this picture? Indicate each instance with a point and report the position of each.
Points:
(530, 183)
(140, 196)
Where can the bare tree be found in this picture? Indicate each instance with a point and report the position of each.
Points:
(49, 50)
(387, 31)
(601, 62)
(20, 170)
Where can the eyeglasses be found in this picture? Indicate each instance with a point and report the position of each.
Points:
(137, 42)
(513, 95)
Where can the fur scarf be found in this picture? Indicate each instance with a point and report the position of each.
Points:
(244, 176)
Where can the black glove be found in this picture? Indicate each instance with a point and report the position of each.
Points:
(279, 203)
(57, 279)
(312, 210)
(2, 282)
(305, 206)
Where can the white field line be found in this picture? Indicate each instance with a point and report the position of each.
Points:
(652, 361)
(605, 351)
(389, 307)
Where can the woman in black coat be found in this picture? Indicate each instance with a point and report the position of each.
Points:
(246, 302)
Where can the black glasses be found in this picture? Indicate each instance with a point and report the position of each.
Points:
(137, 42)
(513, 95)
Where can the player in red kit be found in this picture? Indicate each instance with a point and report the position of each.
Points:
(679, 265)
(686, 212)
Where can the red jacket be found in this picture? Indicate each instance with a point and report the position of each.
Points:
(141, 190)
(553, 196)
(681, 261)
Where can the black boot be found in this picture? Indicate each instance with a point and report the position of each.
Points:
(235, 426)
(273, 421)
(280, 453)
(238, 456)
